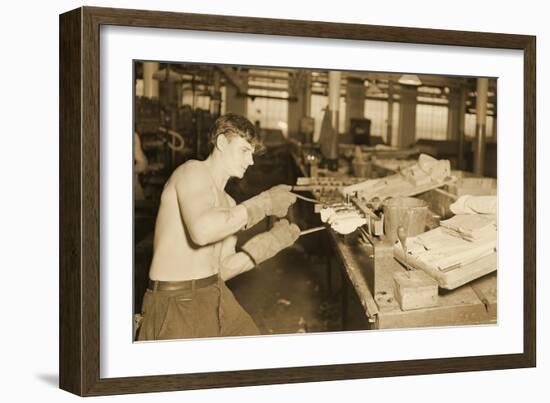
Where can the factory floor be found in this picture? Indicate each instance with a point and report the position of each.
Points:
(289, 294)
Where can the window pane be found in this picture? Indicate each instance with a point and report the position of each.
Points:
(318, 104)
(377, 112)
(431, 122)
(470, 126)
(271, 113)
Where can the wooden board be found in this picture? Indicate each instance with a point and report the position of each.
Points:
(454, 278)
(414, 290)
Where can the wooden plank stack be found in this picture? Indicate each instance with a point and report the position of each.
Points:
(462, 249)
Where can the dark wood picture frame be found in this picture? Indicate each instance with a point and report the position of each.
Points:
(79, 82)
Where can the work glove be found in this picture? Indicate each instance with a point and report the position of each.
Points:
(267, 244)
(272, 202)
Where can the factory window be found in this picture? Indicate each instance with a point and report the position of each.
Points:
(187, 97)
(190, 97)
(272, 113)
(139, 87)
(431, 122)
(318, 105)
(377, 111)
(470, 126)
(202, 102)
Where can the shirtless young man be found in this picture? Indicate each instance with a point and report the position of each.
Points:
(194, 244)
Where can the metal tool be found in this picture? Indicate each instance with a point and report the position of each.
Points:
(308, 199)
(305, 188)
(311, 230)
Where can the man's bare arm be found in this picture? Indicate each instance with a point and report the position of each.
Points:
(205, 222)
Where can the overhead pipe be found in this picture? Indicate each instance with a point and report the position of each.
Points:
(170, 75)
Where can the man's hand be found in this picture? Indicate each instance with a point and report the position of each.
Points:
(272, 202)
(268, 244)
(281, 200)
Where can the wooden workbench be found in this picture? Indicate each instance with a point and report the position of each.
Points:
(472, 304)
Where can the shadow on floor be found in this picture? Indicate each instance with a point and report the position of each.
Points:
(50, 379)
(286, 295)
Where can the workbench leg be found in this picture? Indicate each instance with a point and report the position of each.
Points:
(344, 294)
(289, 171)
(328, 252)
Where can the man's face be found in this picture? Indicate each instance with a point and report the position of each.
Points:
(237, 156)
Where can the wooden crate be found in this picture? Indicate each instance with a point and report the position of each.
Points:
(415, 290)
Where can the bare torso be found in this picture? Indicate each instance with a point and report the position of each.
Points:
(176, 257)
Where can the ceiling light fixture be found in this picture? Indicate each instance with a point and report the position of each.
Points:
(372, 88)
(410, 79)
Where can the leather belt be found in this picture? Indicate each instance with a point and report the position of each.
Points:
(155, 285)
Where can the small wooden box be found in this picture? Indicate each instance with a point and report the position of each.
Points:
(415, 291)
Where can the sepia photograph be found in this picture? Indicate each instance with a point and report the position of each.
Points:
(275, 200)
(254, 201)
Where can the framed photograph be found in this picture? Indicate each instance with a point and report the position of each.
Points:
(250, 201)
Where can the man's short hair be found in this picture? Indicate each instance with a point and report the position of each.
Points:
(231, 125)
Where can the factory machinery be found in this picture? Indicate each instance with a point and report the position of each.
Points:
(169, 134)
